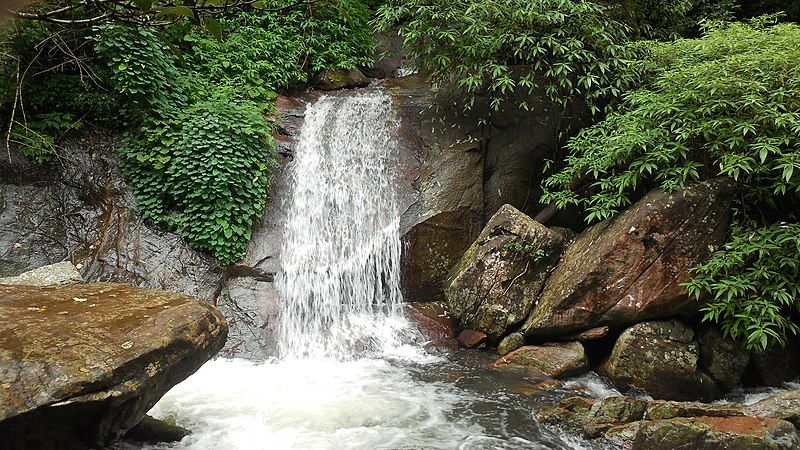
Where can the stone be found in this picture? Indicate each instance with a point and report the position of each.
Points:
(631, 268)
(557, 360)
(494, 285)
(661, 358)
(81, 364)
(153, 431)
(707, 433)
(53, 274)
(662, 409)
(775, 365)
(510, 343)
(721, 357)
(333, 79)
(471, 338)
(785, 406)
(588, 335)
(433, 319)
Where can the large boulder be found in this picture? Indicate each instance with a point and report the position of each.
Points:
(494, 285)
(557, 360)
(631, 268)
(333, 79)
(81, 364)
(662, 359)
(775, 365)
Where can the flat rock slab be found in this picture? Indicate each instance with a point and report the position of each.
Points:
(83, 363)
(557, 360)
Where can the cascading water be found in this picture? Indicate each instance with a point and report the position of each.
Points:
(348, 377)
(340, 286)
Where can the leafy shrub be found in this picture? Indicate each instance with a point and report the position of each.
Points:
(559, 50)
(754, 285)
(724, 105)
(269, 50)
(205, 172)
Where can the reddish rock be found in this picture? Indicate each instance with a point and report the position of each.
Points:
(471, 338)
(707, 433)
(631, 268)
(494, 285)
(432, 319)
(785, 406)
(557, 360)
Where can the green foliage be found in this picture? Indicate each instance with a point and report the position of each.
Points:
(559, 50)
(205, 172)
(726, 104)
(265, 51)
(142, 69)
(754, 285)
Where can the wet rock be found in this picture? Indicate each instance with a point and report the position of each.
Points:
(630, 268)
(510, 343)
(557, 360)
(715, 433)
(70, 382)
(588, 335)
(661, 409)
(333, 79)
(571, 412)
(722, 358)
(153, 431)
(494, 285)
(53, 274)
(81, 209)
(251, 308)
(471, 338)
(433, 319)
(661, 358)
(785, 406)
(774, 366)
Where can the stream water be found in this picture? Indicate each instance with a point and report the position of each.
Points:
(352, 371)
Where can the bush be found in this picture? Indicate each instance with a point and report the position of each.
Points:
(728, 105)
(557, 50)
(754, 285)
(204, 172)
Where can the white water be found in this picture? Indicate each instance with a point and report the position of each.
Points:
(350, 375)
(340, 286)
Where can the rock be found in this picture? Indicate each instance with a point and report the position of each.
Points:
(333, 79)
(510, 343)
(70, 381)
(571, 412)
(557, 360)
(432, 319)
(588, 335)
(593, 417)
(775, 366)
(707, 433)
(494, 285)
(661, 409)
(785, 406)
(440, 188)
(471, 338)
(153, 431)
(631, 268)
(662, 359)
(53, 274)
(80, 208)
(722, 358)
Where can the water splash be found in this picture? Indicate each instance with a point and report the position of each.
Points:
(340, 283)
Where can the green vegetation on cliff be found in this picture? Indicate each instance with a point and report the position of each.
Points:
(194, 101)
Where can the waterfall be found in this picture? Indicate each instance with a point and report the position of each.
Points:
(340, 282)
